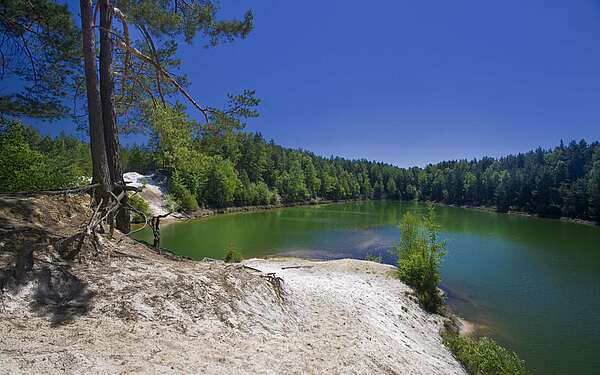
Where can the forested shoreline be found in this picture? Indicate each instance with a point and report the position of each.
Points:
(225, 167)
(216, 163)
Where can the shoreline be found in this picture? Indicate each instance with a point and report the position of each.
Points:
(518, 213)
(154, 193)
(203, 213)
(138, 309)
(209, 212)
(322, 317)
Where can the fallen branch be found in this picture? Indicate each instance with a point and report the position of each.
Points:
(275, 281)
(277, 284)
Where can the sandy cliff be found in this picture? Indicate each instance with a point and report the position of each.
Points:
(130, 310)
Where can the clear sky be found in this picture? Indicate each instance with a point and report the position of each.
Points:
(412, 82)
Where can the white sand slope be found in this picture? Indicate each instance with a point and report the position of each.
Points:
(154, 189)
(354, 318)
(154, 315)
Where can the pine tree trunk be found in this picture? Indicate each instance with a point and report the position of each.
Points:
(101, 172)
(111, 135)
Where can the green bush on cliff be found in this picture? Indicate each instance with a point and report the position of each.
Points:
(484, 356)
(142, 206)
(419, 258)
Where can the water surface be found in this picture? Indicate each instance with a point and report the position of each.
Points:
(532, 284)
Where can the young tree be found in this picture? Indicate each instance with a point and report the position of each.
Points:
(171, 136)
(594, 186)
(420, 253)
(222, 183)
(391, 188)
(313, 183)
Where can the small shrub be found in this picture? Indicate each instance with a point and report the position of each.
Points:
(140, 204)
(374, 258)
(419, 258)
(187, 201)
(484, 355)
(233, 256)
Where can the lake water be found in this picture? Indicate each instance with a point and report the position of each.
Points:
(532, 284)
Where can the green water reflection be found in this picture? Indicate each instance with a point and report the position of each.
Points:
(533, 284)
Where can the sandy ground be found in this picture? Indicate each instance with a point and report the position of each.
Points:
(130, 310)
(356, 317)
(159, 316)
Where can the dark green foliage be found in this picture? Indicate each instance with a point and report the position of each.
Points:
(558, 182)
(160, 26)
(220, 165)
(593, 187)
(233, 256)
(255, 194)
(188, 201)
(187, 19)
(40, 48)
(141, 205)
(484, 356)
(564, 181)
(222, 183)
(184, 198)
(419, 258)
(138, 159)
(31, 162)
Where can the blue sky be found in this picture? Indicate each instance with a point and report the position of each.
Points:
(412, 82)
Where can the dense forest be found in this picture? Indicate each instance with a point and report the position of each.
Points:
(225, 166)
(216, 163)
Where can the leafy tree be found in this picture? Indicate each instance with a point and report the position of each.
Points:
(419, 258)
(25, 167)
(292, 184)
(391, 188)
(313, 183)
(378, 189)
(143, 208)
(366, 189)
(40, 48)
(501, 192)
(138, 158)
(594, 186)
(186, 201)
(222, 183)
(172, 135)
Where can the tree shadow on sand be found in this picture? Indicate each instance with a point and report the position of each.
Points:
(61, 296)
(53, 291)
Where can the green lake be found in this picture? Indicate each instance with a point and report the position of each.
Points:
(532, 284)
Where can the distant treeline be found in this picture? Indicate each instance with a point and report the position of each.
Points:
(216, 168)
